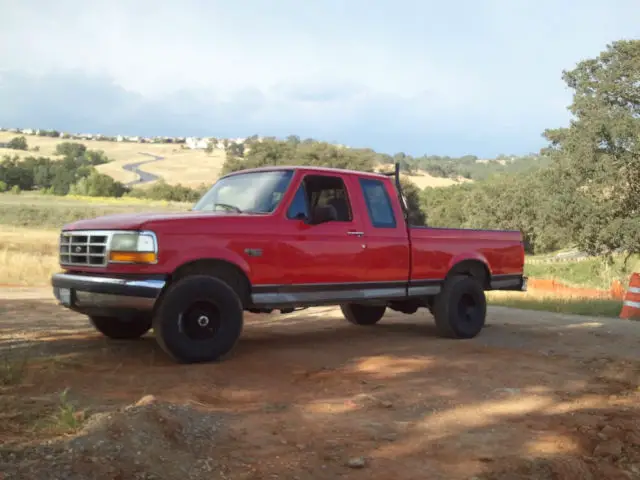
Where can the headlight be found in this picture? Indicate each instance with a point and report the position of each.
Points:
(133, 247)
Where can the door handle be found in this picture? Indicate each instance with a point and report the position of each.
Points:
(356, 234)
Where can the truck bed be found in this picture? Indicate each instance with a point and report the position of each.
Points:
(436, 250)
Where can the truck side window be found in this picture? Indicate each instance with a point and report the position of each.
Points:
(298, 207)
(378, 203)
(325, 190)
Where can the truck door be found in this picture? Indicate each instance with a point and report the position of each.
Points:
(328, 256)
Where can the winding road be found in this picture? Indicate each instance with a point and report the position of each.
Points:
(143, 177)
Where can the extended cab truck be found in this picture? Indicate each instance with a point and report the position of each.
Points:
(279, 238)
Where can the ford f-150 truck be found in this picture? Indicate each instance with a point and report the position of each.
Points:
(279, 238)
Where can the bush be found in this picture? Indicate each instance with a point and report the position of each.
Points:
(71, 149)
(173, 193)
(98, 185)
(18, 143)
(57, 176)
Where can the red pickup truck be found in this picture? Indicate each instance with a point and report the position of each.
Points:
(279, 238)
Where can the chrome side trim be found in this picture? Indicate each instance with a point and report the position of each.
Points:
(325, 297)
(424, 291)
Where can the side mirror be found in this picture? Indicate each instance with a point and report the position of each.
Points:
(302, 217)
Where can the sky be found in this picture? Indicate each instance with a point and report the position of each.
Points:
(414, 76)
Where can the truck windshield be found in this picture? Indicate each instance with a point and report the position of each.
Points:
(251, 192)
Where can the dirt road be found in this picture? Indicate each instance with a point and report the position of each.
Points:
(309, 396)
(143, 177)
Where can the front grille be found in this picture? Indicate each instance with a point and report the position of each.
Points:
(87, 249)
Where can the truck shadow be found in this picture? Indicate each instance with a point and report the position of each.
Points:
(43, 329)
(48, 330)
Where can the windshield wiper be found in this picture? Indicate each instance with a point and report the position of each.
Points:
(227, 206)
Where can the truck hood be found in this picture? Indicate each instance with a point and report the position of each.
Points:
(136, 221)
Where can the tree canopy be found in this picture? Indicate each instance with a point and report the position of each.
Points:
(585, 190)
(597, 158)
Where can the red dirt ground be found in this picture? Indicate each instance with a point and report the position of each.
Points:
(309, 396)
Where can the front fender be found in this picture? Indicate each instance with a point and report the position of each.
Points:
(208, 253)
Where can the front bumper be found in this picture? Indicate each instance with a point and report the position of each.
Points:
(106, 295)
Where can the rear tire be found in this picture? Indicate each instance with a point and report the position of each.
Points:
(460, 310)
(122, 328)
(363, 314)
(199, 319)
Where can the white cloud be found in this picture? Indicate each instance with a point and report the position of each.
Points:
(458, 68)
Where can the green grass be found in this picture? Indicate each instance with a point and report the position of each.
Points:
(592, 272)
(576, 306)
(68, 417)
(34, 210)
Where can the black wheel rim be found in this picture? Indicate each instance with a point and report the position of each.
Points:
(201, 321)
(468, 309)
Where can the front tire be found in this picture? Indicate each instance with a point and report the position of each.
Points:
(460, 310)
(122, 328)
(363, 314)
(199, 319)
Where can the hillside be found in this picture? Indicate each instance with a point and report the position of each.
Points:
(179, 165)
(423, 179)
(173, 163)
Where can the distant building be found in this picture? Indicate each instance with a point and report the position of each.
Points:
(197, 143)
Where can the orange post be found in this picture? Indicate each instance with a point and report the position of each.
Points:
(631, 302)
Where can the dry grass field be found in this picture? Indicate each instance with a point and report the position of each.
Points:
(179, 165)
(187, 167)
(556, 302)
(27, 256)
(29, 225)
(423, 180)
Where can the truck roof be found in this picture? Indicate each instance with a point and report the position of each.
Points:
(310, 169)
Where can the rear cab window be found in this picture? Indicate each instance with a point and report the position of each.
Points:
(378, 203)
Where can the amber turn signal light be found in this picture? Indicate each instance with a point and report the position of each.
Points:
(133, 257)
